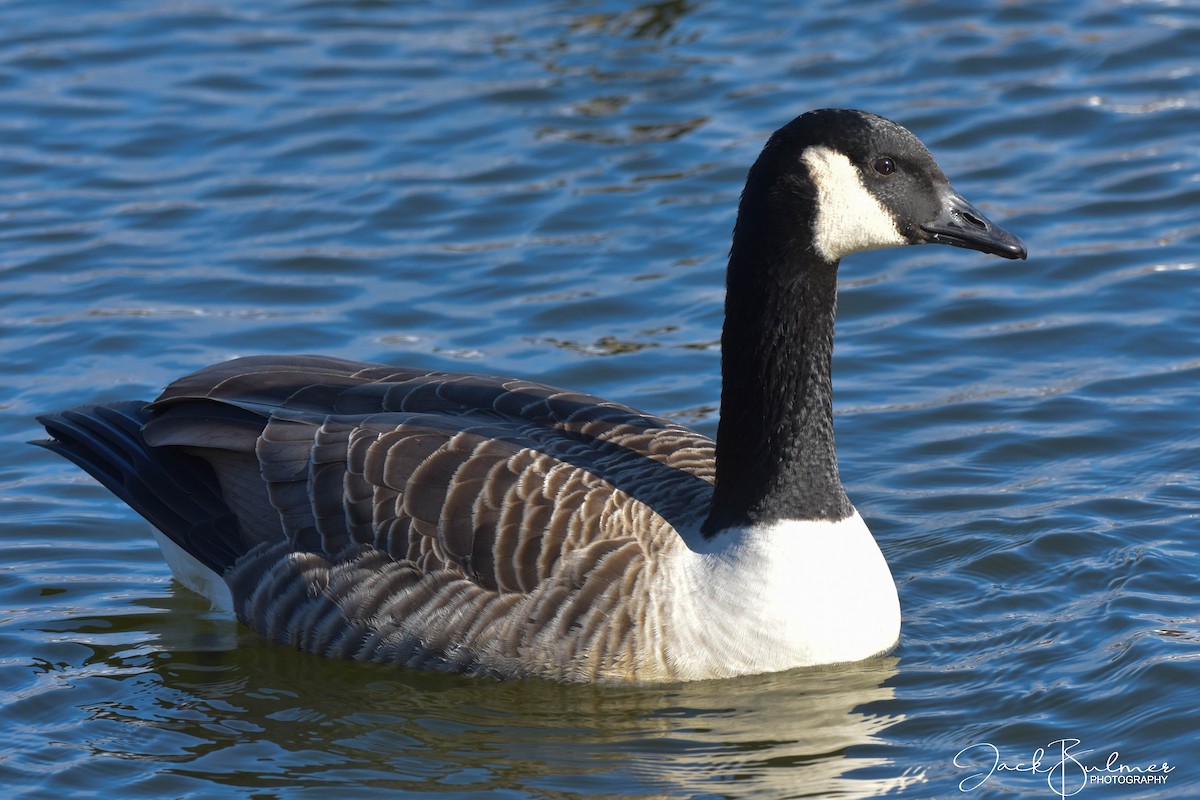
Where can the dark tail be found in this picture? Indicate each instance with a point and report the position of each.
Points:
(177, 493)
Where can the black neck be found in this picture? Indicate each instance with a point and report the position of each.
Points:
(776, 457)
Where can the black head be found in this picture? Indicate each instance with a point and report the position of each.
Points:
(867, 183)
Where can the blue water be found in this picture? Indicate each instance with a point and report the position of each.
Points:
(547, 190)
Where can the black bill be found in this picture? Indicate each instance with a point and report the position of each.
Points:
(960, 224)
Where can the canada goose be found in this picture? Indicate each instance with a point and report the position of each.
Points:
(504, 527)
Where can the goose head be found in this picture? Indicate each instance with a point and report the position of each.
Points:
(860, 182)
(828, 184)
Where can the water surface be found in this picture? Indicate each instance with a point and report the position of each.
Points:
(547, 190)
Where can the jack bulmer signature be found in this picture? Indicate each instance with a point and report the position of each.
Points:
(1061, 761)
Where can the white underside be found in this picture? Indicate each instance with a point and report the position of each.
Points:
(189, 571)
(754, 600)
(791, 594)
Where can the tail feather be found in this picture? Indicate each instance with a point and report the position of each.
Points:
(177, 493)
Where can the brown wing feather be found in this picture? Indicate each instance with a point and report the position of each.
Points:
(492, 479)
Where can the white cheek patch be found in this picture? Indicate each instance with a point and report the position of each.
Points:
(849, 218)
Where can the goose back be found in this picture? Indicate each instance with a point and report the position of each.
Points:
(426, 518)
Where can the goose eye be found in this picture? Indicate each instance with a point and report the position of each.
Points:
(885, 166)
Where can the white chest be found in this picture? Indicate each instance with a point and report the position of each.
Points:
(786, 595)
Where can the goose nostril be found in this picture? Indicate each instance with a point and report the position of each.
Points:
(971, 219)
